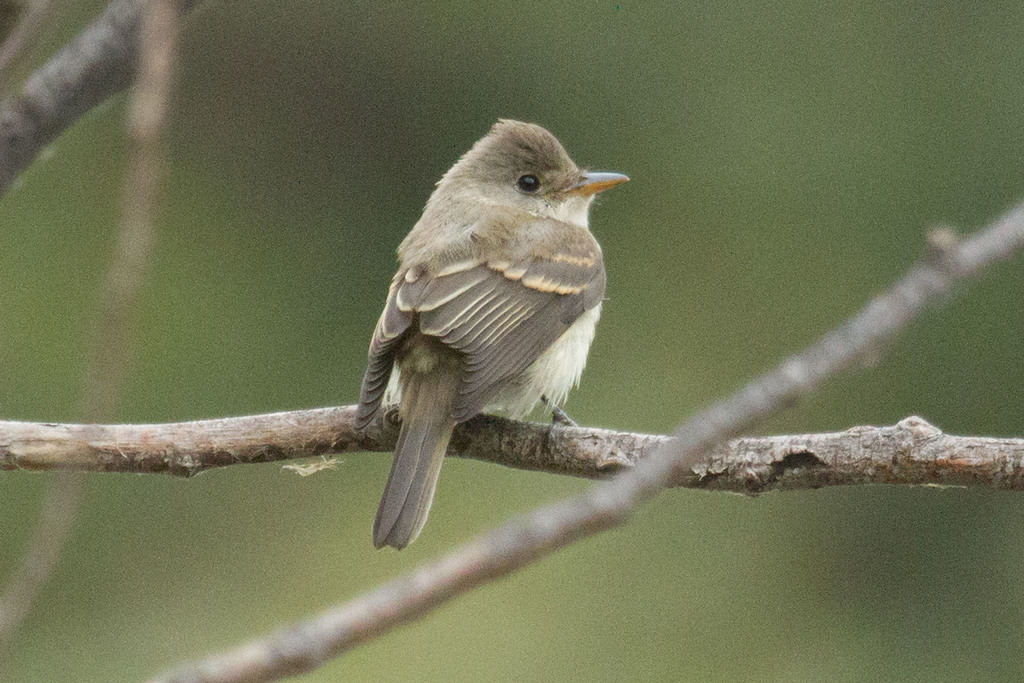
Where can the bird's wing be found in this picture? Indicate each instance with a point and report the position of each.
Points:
(390, 329)
(499, 314)
(502, 314)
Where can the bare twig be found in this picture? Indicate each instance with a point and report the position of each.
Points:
(97, 64)
(309, 644)
(110, 357)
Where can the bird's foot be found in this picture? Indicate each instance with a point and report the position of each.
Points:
(558, 416)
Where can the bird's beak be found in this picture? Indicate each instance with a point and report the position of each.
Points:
(592, 183)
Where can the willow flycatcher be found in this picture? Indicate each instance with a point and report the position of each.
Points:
(493, 306)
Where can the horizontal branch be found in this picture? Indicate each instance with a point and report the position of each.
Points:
(187, 448)
(910, 452)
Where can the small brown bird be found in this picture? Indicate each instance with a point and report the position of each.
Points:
(493, 306)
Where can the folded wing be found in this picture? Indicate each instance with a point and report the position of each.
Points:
(499, 314)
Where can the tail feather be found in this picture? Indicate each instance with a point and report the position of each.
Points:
(426, 429)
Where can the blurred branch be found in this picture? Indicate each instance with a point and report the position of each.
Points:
(11, 13)
(110, 356)
(147, 115)
(21, 38)
(521, 542)
(910, 452)
(57, 516)
(97, 64)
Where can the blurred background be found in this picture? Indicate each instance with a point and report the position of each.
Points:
(786, 164)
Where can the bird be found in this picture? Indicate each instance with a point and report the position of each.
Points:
(493, 307)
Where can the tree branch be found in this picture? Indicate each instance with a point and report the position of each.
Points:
(519, 543)
(187, 448)
(109, 359)
(98, 63)
(23, 36)
(910, 452)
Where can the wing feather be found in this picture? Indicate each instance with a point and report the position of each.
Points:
(391, 327)
(441, 321)
(443, 289)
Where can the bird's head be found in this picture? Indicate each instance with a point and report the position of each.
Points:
(523, 166)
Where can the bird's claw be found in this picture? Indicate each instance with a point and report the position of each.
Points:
(558, 416)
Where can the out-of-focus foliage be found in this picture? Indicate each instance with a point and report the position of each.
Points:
(786, 159)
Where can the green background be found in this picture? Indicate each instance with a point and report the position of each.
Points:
(786, 160)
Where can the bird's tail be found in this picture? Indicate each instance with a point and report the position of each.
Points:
(426, 429)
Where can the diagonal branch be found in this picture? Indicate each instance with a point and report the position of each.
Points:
(21, 38)
(98, 63)
(523, 541)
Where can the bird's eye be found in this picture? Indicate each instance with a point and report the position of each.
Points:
(528, 183)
